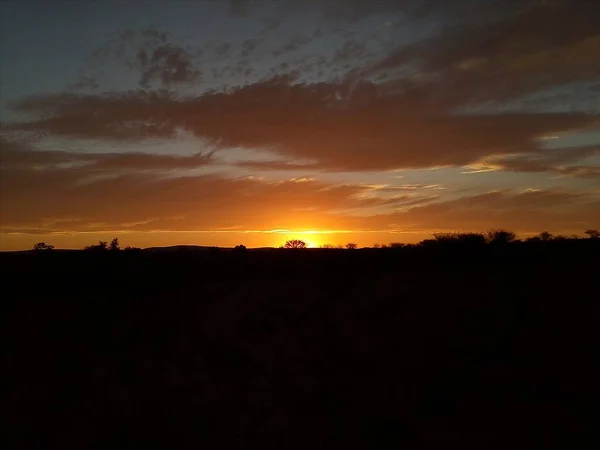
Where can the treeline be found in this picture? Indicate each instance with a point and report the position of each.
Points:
(492, 237)
(101, 246)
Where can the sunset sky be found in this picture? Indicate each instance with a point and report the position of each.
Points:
(253, 122)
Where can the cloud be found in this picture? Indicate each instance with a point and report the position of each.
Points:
(551, 161)
(338, 125)
(150, 53)
(528, 211)
(48, 199)
(29, 196)
(534, 46)
(16, 155)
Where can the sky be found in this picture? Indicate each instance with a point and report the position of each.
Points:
(332, 121)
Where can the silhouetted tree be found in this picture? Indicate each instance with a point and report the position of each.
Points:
(545, 236)
(42, 246)
(500, 236)
(593, 234)
(376, 246)
(99, 247)
(240, 248)
(351, 246)
(114, 245)
(295, 243)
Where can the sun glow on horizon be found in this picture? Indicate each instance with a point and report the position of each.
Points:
(312, 238)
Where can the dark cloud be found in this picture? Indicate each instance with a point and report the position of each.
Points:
(14, 155)
(552, 161)
(539, 45)
(167, 64)
(340, 126)
(151, 52)
(134, 115)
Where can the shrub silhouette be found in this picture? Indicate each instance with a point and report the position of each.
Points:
(351, 246)
(101, 246)
(295, 243)
(593, 234)
(42, 246)
(240, 248)
(500, 236)
(114, 245)
(459, 238)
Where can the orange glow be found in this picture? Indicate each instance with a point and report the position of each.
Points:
(313, 238)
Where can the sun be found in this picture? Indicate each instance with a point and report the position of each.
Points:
(310, 243)
(311, 240)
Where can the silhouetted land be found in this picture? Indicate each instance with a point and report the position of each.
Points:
(438, 346)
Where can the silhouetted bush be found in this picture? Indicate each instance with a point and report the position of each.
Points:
(593, 234)
(500, 237)
(351, 246)
(328, 246)
(460, 239)
(114, 245)
(295, 244)
(42, 246)
(101, 246)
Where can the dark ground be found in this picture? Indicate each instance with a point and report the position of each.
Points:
(450, 348)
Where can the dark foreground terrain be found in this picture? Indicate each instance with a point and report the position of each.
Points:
(461, 348)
